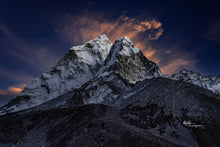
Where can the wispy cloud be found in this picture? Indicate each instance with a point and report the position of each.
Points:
(38, 57)
(214, 31)
(15, 76)
(10, 92)
(13, 90)
(172, 60)
(176, 65)
(80, 28)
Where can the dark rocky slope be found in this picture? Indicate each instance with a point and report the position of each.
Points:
(153, 116)
(111, 95)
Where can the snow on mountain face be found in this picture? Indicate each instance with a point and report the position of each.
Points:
(113, 90)
(77, 67)
(208, 82)
(157, 107)
(125, 65)
(91, 63)
(97, 58)
(129, 62)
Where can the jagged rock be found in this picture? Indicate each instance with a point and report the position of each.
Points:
(130, 62)
(83, 63)
(78, 66)
(152, 115)
(101, 94)
(208, 82)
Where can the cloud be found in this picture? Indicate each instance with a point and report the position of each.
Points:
(214, 31)
(16, 76)
(78, 29)
(14, 90)
(176, 65)
(10, 92)
(81, 28)
(174, 59)
(38, 57)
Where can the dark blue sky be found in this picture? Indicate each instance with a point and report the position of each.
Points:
(31, 42)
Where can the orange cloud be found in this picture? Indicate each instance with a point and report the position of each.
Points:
(14, 90)
(175, 66)
(156, 24)
(78, 29)
(156, 35)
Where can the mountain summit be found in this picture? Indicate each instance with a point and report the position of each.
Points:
(104, 94)
(83, 63)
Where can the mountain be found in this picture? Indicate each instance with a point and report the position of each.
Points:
(78, 66)
(104, 94)
(208, 82)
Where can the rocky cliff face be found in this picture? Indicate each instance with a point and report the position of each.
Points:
(78, 66)
(129, 62)
(208, 82)
(81, 64)
(153, 112)
(104, 94)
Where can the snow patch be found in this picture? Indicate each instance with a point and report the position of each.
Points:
(208, 82)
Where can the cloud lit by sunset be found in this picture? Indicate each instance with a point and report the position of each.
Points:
(14, 90)
(83, 27)
(109, 73)
(33, 38)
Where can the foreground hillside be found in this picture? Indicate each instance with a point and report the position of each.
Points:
(104, 94)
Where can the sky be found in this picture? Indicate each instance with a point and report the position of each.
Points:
(34, 35)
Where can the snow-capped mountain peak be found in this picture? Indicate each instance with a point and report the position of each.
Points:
(94, 50)
(128, 47)
(83, 63)
(78, 66)
(208, 82)
(102, 89)
(101, 61)
(131, 63)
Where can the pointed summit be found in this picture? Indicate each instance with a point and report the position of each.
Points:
(91, 52)
(87, 65)
(77, 67)
(130, 62)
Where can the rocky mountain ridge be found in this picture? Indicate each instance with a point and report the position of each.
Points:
(104, 94)
(83, 63)
(98, 57)
(208, 82)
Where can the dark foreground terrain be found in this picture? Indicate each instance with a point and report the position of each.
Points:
(149, 116)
